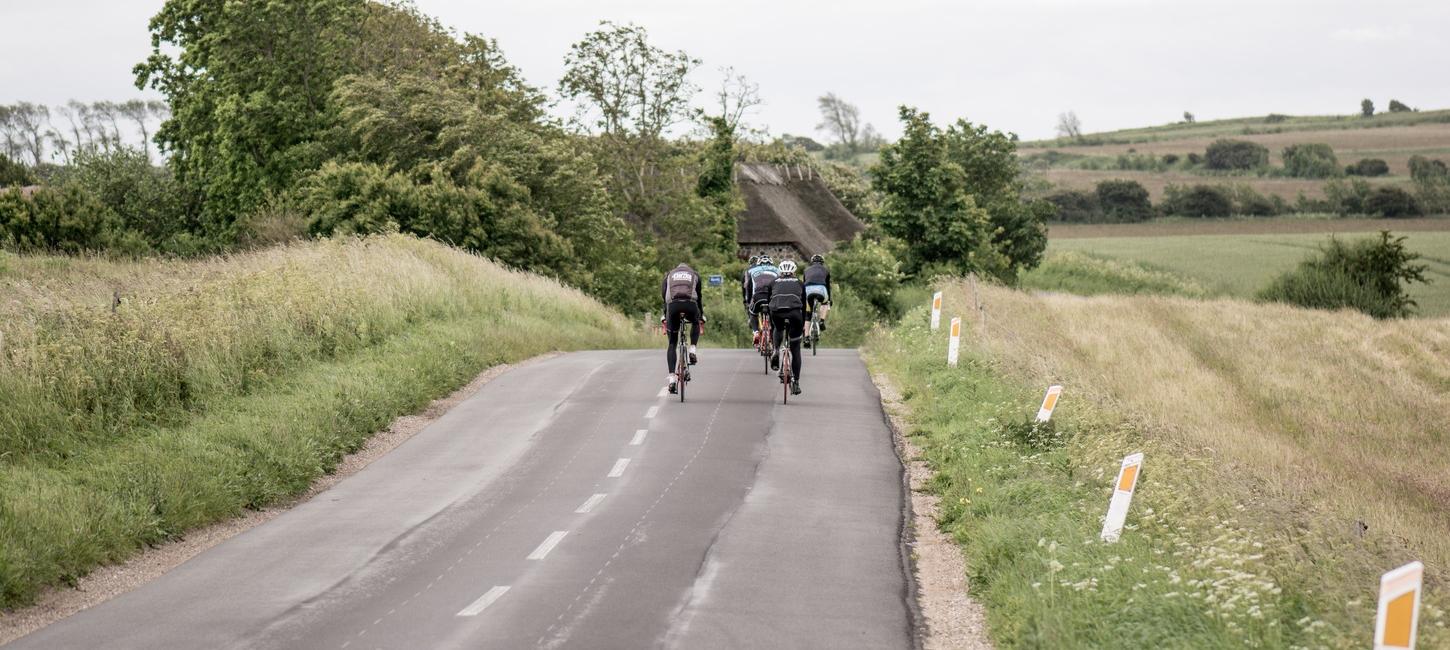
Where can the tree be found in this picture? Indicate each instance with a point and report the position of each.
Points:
(31, 124)
(1236, 155)
(1068, 126)
(736, 97)
(1188, 117)
(1397, 107)
(248, 86)
(840, 120)
(993, 180)
(926, 204)
(631, 88)
(1366, 108)
(1315, 160)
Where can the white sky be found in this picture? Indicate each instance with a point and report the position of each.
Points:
(1012, 64)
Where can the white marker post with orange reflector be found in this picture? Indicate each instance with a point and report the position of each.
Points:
(1399, 610)
(1122, 497)
(936, 310)
(954, 344)
(1049, 402)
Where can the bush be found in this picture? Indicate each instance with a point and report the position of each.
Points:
(1423, 169)
(1275, 118)
(1198, 201)
(1345, 198)
(870, 269)
(68, 219)
(1391, 201)
(1236, 155)
(1368, 167)
(1076, 206)
(1124, 200)
(1195, 159)
(1170, 158)
(1249, 202)
(1368, 275)
(1397, 107)
(146, 198)
(1311, 161)
(13, 173)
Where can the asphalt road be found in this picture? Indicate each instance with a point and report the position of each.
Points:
(570, 503)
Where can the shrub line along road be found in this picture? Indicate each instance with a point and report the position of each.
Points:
(570, 503)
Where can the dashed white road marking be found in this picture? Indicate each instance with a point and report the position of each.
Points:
(653, 411)
(590, 503)
(484, 601)
(549, 543)
(618, 469)
(639, 436)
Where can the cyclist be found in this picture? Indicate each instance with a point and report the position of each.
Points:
(757, 289)
(684, 300)
(817, 279)
(745, 288)
(787, 317)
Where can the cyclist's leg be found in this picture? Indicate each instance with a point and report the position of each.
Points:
(777, 329)
(693, 311)
(795, 324)
(672, 326)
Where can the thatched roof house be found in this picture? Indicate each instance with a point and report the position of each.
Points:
(789, 212)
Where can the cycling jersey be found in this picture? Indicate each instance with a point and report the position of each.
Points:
(817, 274)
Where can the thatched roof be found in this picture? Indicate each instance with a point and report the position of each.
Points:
(789, 204)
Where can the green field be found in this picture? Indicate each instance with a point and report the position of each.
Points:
(1239, 265)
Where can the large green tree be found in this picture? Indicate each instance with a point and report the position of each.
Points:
(248, 84)
(926, 204)
(953, 197)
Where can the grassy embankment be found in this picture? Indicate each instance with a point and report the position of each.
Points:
(1228, 265)
(1270, 434)
(231, 383)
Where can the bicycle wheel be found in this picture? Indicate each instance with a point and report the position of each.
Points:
(682, 368)
(785, 377)
(815, 333)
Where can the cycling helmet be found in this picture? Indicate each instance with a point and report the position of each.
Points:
(818, 259)
(787, 267)
(765, 259)
(754, 259)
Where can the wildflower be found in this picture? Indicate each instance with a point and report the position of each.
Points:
(1054, 566)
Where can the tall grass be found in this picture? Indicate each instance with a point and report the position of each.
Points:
(231, 383)
(1085, 275)
(1293, 456)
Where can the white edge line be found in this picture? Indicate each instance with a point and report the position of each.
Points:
(663, 392)
(618, 469)
(589, 504)
(549, 543)
(639, 435)
(653, 411)
(485, 600)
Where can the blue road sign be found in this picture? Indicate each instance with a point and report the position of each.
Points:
(717, 280)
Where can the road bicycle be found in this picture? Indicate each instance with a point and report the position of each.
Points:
(766, 345)
(787, 379)
(813, 337)
(682, 360)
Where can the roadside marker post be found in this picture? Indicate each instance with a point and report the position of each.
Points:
(936, 311)
(1049, 402)
(1122, 497)
(1399, 609)
(954, 343)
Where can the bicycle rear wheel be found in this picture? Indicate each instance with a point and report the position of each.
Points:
(785, 377)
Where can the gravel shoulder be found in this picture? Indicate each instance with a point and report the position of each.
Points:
(953, 618)
(111, 581)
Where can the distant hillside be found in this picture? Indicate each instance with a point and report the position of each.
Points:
(1241, 126)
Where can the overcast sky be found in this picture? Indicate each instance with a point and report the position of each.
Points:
(1012, 64)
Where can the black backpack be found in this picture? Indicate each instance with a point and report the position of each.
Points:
(682, 284)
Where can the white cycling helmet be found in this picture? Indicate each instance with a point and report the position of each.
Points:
(787, 267)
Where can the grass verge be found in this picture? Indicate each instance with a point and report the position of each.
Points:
(1246, 527)
(231, 384)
